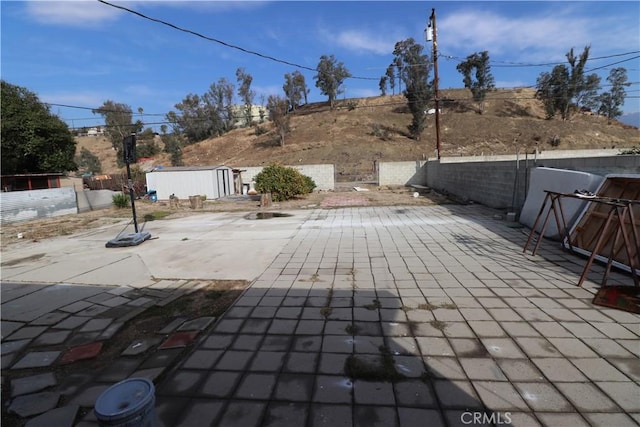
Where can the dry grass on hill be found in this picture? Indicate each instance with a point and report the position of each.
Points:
(361, 131)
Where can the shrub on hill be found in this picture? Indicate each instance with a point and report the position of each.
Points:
(283, 182)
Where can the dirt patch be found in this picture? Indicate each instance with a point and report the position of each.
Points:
(158, 211)
(211, 300)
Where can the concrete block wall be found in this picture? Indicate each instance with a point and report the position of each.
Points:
(91, 200)
(489, 183)
(502, 184)
(402, 173)
(322, 175)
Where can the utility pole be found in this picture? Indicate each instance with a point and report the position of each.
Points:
(431, 31)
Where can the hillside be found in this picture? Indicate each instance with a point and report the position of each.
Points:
(361, 131)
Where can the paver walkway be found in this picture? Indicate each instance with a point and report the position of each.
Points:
(370, 316)
(412, 317)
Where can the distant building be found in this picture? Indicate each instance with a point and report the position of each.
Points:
(97, 131)
(239, 119)
(31, 181)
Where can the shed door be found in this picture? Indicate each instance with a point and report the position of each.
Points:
(223, 182)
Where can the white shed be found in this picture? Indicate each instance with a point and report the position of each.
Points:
(184, 181)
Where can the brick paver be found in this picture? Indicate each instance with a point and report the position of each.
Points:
(382, 316)
(466, 320)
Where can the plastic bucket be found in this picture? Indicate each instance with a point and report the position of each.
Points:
(129, 403)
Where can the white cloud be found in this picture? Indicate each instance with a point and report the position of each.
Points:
(84, 13)
(359, 41)
(74, 13)
(543, 38)
(85, 98)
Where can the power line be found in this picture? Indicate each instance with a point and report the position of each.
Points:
(508, 64)
(229, 45)
(613, 63)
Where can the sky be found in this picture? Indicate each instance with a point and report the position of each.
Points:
(82, 53)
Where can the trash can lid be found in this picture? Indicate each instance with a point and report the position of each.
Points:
(124, 398)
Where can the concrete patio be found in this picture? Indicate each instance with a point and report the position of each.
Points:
(359, 316)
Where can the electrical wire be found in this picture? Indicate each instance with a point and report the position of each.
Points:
(229, 45)
(508, 64)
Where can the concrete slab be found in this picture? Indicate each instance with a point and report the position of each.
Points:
(26, 332)
(34, 404)
(198, 324)
(64, 269)
(36, 359)
(10, 327)
(499, 350)
(45, 300)
(59, 417)
(32, 384)
(52, 338)
(129, 269)
(13, 346)
(11, 291)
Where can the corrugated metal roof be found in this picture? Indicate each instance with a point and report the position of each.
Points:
(190, 168)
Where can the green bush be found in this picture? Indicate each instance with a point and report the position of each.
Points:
(120, 200)
(283, 182)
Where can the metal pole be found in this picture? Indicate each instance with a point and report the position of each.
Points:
(436, 80)
(127, 160)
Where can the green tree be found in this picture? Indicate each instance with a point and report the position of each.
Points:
(331, 75)
(552, 89)
(33, 139)
(173, 144)
(382, 84)
(295, 89)
(610, 102)
(283, 182)
(88, 162)
(201, 117)
(278, 114)
(478, 64)
(246, 95)
(567, 86)
(391, 76)
(416, 68)
(146, 145)
(220, 98)
(301, 85)
(118, 123)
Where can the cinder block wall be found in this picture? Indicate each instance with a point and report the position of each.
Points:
(498, 183)
(402, 173)
(501, 184)
(322, 175)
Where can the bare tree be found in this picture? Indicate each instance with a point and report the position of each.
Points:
(278, 113)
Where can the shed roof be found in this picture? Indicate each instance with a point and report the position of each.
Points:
(189, 168)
